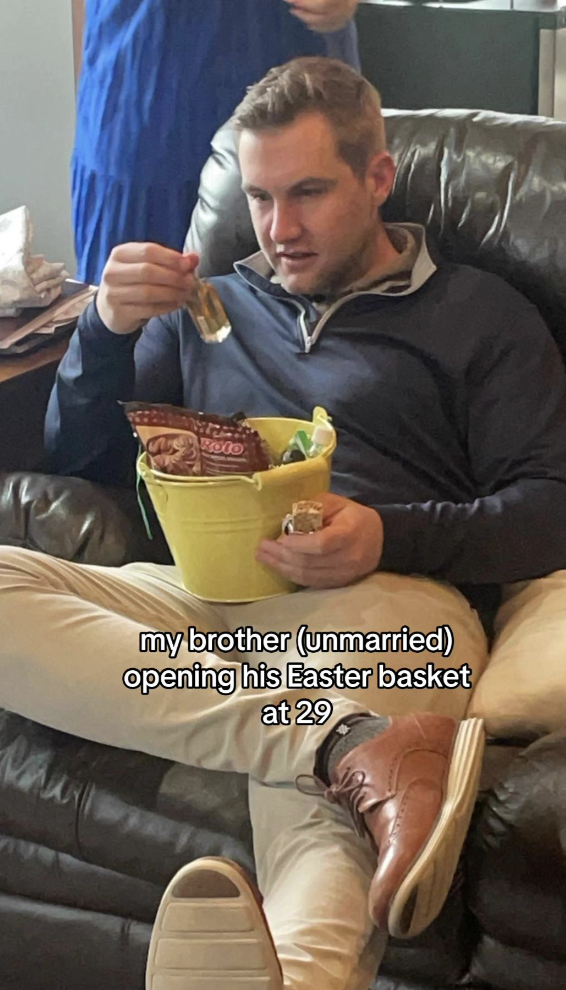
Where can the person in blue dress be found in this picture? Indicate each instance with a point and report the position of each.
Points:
(158, 78)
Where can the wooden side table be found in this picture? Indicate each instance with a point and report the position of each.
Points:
(25, 385)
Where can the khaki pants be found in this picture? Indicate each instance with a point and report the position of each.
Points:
(68, 634)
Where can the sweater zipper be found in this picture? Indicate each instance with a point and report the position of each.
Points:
(310, 339)
(306, 337)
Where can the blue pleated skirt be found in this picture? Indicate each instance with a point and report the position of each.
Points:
(158, 78)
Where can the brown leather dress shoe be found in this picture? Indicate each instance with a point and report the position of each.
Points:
(413, 789)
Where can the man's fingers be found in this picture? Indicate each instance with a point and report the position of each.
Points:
(124, 295)
(138, 252)
(331, 504)
(309, 572)
(189, 261)
(146, 273)
(320, 580)
(134, 312)
(282, 553)
(304, 572)
(142, 280)
(325, 542)
(286, 554)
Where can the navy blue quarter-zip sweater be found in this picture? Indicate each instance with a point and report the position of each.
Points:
(449, 402)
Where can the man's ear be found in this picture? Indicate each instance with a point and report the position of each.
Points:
(381, 176)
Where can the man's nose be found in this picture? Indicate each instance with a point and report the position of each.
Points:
(285, 225)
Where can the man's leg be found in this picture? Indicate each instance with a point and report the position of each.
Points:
(97, 616)
(315, 875)
(292, 838)
(211, 933)
(380, 603)
(70, 631)
(313, 872)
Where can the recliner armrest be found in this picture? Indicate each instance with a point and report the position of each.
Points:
(516, 871)
(76, 520)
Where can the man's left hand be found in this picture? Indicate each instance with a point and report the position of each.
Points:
(323, 15)
(348, 547)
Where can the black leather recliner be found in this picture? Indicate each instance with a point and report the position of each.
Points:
(90, 835)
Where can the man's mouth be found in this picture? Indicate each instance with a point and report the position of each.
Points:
(292, 260)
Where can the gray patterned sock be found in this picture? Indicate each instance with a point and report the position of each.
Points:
(350, 732)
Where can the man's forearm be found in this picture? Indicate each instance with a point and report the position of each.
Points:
(515, 534)
(86, 433)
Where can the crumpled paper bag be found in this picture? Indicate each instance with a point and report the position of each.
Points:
(26, 280)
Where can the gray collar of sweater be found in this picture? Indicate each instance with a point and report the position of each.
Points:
(409, 272)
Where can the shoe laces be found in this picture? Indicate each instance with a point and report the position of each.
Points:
(348, 792)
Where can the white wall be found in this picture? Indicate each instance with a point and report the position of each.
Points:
(37, 107)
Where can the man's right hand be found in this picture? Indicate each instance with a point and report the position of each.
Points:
(143, 280)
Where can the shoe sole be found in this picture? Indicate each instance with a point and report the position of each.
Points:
(423, 891)
(210, 933)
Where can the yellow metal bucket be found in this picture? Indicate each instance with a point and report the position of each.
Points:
(214, 525)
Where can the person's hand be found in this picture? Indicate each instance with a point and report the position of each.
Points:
(348, 547)
(143, 280)
(323, 15)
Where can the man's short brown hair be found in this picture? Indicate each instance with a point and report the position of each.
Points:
(319, 85)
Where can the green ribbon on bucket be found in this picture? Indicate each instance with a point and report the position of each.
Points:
(139, 497)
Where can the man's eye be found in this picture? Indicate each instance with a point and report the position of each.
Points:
(310, 192)
(259, 197)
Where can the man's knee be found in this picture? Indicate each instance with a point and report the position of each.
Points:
(18, 565)
(14, 558)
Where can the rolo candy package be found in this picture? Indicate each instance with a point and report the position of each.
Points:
(183, 442)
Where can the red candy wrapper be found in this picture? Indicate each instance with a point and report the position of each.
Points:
(182, 442)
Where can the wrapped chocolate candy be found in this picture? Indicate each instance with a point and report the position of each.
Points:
(183, 442)
(305, 517)
(208, 313)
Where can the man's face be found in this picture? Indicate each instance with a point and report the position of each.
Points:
(316, 222)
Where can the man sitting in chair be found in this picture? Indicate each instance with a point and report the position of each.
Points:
(449, 399)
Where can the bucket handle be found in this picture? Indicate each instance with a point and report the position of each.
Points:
(320, 416)
(257, 480)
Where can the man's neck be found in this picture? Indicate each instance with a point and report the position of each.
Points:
(385, 257)
(395, 256)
